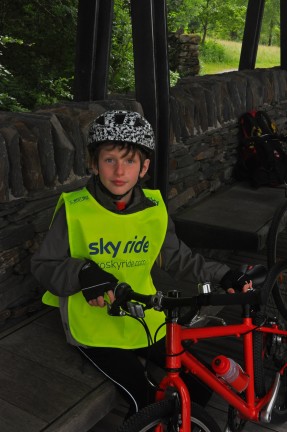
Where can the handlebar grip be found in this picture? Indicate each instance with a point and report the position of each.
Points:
(252, 297)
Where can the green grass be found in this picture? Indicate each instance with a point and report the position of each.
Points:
(266, 57)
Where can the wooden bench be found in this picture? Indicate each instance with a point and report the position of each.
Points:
(46, 385)
(237, 217)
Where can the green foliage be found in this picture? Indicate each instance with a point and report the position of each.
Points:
(270, 32)
(53, 90)
(231, 21)
(267, 57)
(173, 77)
(183, 14)
(7, 81)
(212, 52)
(41, 65)
(121, 73)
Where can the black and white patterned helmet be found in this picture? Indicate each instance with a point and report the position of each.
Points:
(122, 126)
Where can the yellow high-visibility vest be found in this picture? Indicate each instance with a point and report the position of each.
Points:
(125, 245)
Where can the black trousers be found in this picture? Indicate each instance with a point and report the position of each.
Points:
(125, 369)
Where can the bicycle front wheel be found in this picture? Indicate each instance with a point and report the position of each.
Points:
(277, 236)
(277, 252)
(270, 351)
(163, 414)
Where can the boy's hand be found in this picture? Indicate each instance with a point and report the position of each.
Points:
(100, 301)
(95, 282)
(235, 280)
(246, 287)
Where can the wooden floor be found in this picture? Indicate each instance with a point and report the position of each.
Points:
(45, 384)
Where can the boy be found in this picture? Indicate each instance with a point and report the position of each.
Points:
(113, 231)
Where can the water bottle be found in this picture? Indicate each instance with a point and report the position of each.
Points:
(231, 372)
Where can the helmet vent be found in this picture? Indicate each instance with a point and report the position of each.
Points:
(139, 122)
(119, 118)
(100, 120)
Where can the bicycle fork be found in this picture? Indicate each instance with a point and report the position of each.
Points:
(172, 380)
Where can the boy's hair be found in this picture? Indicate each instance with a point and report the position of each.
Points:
(128, 147)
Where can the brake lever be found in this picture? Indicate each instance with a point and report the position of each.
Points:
(136, 309)
(115, 310)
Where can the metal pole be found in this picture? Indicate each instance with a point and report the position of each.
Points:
(142, 14)
(152, 79)
(163, 86)
(251, 35)
(93, 49)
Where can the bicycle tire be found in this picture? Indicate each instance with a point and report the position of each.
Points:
(278, 225)
(276, 252)
(270, 353)
(163, 413)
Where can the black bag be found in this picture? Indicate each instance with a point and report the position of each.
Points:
(261, 157)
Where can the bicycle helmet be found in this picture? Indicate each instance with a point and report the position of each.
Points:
(122, 126)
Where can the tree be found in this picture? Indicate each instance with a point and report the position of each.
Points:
(183, 14)
(43, 65)
(230, 19)
(121, 73)
(7, 102)
(270, 32)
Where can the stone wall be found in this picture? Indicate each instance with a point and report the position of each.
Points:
(44, 153)
(204, 127)
(184, 53)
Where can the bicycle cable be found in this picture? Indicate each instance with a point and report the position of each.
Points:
(149, 341)
(256, 327)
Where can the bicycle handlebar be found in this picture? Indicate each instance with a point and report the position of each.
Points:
(159, 301)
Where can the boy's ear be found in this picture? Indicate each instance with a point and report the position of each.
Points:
(95, 168)
(145, 168)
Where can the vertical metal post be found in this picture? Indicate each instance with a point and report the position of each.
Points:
(251, 34)
(163, 86)
(93, 49)
(152, 79)
(283, 34)
(142, 14)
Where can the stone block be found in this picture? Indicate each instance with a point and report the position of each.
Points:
(179, 174)
(31, 166)
(64, 150)
(14, 235)
(68, 118)
(184, 161)
(12, 140)
(180, 200)
(41, 127)
(70, 123)
(4, 171)
(33, 207)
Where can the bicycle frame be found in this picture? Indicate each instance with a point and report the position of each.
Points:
(250, 407)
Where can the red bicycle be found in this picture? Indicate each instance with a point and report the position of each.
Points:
(264, 352)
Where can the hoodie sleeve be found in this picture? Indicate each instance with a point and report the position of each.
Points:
(52, 264)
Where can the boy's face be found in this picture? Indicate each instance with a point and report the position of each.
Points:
(118, 171)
